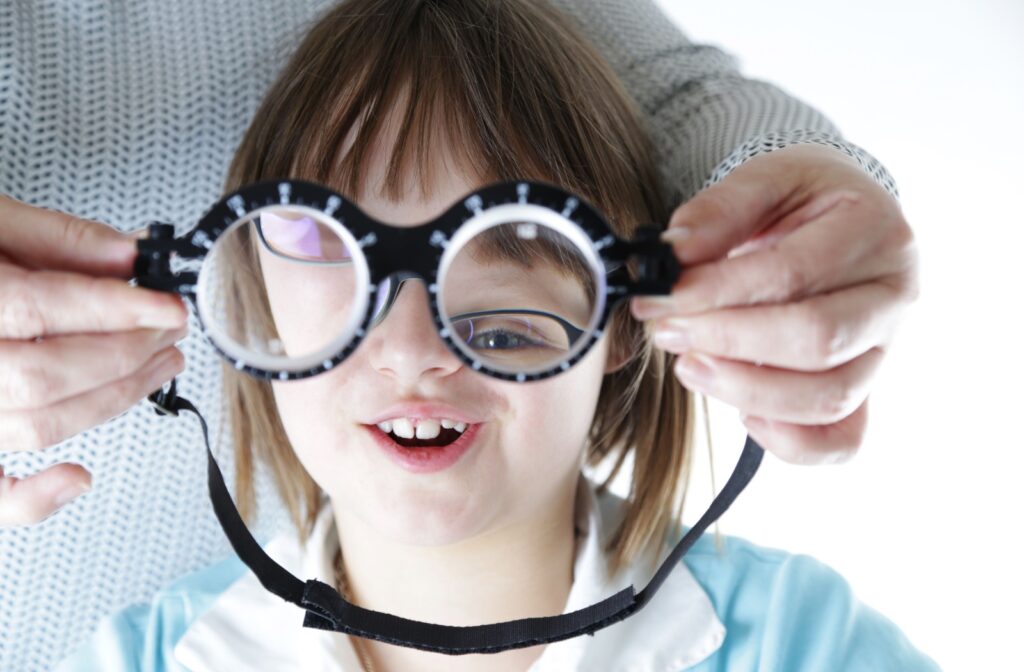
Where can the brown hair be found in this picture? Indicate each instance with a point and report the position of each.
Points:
(515, 91)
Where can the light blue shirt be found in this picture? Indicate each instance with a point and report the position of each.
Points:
(744, 608)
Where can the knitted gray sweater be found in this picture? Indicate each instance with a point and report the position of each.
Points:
(127, 112)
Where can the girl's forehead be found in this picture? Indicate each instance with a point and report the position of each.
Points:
(448, 176)
(414, 207)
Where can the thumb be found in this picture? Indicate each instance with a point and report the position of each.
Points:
(732, 212)
(45, 239)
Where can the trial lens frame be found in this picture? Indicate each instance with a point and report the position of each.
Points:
(325, 609)
(380, 251)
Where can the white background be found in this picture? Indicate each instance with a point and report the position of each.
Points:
(925, 522)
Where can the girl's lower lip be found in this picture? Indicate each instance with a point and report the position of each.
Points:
(425, 460)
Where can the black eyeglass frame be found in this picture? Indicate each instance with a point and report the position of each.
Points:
(403, 253)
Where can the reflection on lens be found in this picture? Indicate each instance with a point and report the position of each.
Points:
(519, 297)
(381, 301)
(279, 288)
(298, 236)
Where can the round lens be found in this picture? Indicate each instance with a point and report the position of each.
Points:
(519, 296)
(283, 288)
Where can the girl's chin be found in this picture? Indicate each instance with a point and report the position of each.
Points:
(406, 517)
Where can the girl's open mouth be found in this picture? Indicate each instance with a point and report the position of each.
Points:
(440, 447)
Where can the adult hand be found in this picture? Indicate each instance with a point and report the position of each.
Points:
(797, 269)
(78, 345)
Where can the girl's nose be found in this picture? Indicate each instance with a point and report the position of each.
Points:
(405, 345)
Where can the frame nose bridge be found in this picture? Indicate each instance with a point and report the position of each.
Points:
(387, 296)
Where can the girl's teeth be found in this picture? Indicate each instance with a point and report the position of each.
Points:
(406, 428)
(428, 429)
(403, 427)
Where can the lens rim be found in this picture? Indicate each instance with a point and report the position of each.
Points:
(242, 357)
(510, 213)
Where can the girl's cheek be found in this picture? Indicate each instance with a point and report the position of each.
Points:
(306, 421)
(310, 307)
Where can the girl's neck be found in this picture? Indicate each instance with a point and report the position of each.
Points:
(518, 571)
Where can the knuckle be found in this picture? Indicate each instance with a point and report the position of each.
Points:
(127, 391)
(20, 314)
(73, 230)
(826, 338)
(901, 243)
(32, 432)
(44, 431)
(124, 361)
(712, 202)
(810, 448)
(789, 278)
(853, 439)
(717, 279)
(791, 449)
(712, 335)
(901, 235)
(753, 398)
(792, 280)
(27, 386)
(836, 402)
(840, 446)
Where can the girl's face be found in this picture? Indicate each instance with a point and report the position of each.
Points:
(526, 448)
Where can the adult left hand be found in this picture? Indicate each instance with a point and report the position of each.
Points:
(798, 267)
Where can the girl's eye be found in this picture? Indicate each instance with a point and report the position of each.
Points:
(509, 333)
(499, 339)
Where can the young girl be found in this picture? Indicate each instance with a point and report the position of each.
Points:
(406, 107)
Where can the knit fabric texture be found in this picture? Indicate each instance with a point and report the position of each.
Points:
(129, 112)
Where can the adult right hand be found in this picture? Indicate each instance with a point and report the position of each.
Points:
(78, 345)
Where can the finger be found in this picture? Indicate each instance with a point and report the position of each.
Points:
(816, 444)
(27, 501)
(45, 303)
(726, 214)
(39, 428)
(852, 241)
(816, 334)
(820, 398)
(40, 238)
(750, 201)
(38, 374)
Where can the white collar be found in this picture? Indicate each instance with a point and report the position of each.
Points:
(247, 626)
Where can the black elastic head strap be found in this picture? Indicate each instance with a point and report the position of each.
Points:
(326, 609)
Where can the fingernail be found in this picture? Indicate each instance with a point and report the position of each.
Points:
(673, 340)
(649, 307)
(676, 234)
(71, 492)
(697, 369)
